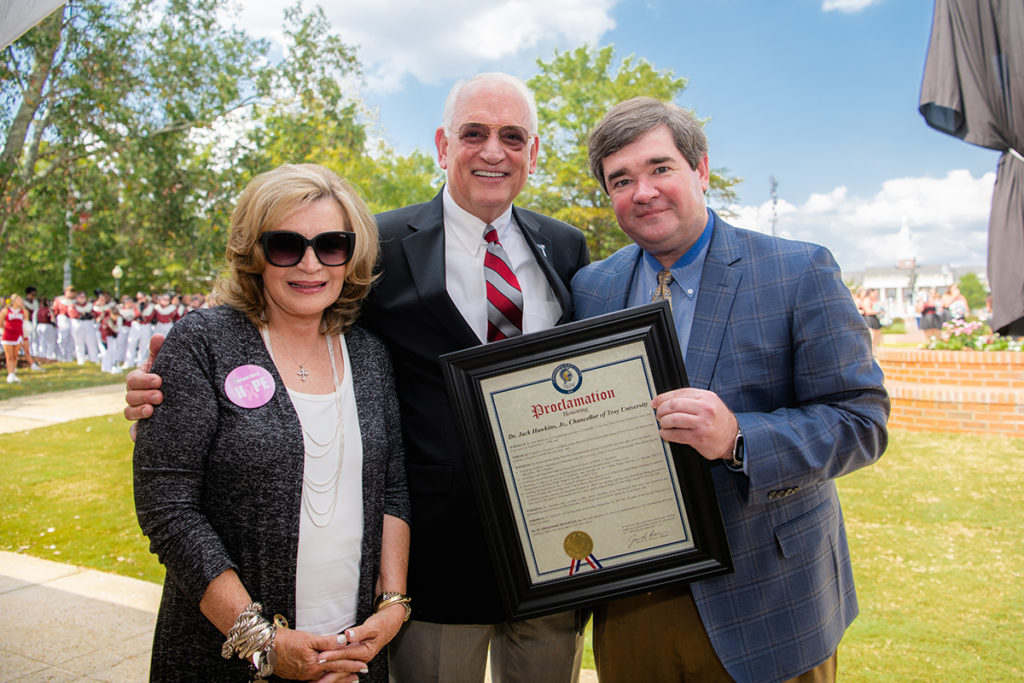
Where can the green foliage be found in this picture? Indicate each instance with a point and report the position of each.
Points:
(573, 91)
(387, 180)
(972, 289)
(130, 128)
(897, 326)
(100, 101)
(311, 118)
(315, 118)
(147, 121)
(973, 335)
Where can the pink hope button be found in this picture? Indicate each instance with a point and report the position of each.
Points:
(249, 386)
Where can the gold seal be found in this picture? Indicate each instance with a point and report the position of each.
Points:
(578, 545)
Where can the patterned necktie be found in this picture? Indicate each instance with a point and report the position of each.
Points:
(662, 291)
(504, 296)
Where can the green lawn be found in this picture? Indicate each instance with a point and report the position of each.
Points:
(935, 530)
(67, 496)
(56, 377)
(938, 545)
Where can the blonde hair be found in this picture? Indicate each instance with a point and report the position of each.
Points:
(267, 200)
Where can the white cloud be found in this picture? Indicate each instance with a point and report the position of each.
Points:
(945, 219)
(847, 6)
(823, 203)
(438, 41)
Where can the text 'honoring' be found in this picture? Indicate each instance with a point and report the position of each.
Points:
(570, 403)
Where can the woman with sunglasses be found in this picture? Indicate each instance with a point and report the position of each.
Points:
(281, 514)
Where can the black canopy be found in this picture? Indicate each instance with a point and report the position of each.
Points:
(973, 89)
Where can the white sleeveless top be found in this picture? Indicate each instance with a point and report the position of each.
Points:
(331, 526)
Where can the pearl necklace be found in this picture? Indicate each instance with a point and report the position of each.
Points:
(327, 487)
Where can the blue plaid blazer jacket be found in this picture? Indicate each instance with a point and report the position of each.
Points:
(778, 337)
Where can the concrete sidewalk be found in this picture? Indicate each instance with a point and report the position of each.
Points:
(42, 410)
(59, 622)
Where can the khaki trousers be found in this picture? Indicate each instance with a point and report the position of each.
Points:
(542, 650)
(659, 638)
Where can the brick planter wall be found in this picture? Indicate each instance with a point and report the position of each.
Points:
(955, 391)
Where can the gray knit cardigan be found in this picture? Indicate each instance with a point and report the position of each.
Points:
(219, 487)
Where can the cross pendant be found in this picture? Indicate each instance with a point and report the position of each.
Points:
(301, 372)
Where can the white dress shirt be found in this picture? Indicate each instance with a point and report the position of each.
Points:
(464, 251)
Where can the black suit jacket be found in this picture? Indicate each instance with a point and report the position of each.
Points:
(451, 577)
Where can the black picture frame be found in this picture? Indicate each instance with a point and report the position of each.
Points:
(642, 345)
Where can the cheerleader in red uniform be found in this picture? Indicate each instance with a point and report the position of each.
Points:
(166, 314)
(61, 309)
(31, 304)
(139, 333)
(100, 310)
(128, 312)
(46, 331)
(83, 330)
(111, 325)
(12, 319)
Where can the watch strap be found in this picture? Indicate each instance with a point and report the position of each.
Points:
(738, 452)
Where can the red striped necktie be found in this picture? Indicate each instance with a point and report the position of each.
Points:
(504, 296)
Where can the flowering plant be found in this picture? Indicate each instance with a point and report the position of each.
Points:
(961, 335)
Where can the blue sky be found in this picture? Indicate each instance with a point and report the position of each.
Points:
(822, 94)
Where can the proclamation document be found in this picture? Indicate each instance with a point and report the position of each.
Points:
(592, 484)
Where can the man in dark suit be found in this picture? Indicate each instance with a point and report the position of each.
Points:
(432, 299)
(784, 397)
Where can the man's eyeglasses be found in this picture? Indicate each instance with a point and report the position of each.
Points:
(473, 134)
(283, 248)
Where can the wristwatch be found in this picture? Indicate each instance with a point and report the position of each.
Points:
(738, 451)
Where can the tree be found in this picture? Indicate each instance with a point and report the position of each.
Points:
(96, 108)
(311, 115)
(573, 91)
(130, 129)
(972, 289)
(314, 117)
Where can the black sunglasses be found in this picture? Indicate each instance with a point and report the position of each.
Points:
(283, 248)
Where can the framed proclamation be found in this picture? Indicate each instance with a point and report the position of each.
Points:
(582, 501)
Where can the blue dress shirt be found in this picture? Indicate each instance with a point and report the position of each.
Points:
(686, 274)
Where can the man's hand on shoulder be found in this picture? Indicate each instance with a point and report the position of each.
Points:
(143, 387)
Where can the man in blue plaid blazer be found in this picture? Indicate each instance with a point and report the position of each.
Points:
(784, 397)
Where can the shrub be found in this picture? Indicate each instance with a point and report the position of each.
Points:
(974, 335)
(897, 326)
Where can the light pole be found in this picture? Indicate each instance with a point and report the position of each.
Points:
(75, 216)
(118, 273)
(69, 217)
